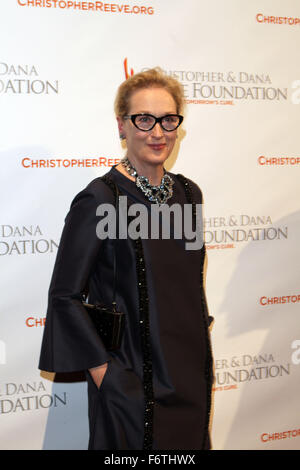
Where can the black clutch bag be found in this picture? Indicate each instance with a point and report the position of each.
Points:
(108, 321)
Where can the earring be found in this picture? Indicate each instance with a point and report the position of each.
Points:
(122, 136)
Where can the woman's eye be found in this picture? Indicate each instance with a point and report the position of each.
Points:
(169, 119)
(145, 118)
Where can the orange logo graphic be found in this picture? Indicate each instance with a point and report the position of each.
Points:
(127, 75)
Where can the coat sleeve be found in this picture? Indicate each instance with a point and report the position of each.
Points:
(70, 341)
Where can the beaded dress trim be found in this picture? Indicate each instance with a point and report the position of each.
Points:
(146, 344)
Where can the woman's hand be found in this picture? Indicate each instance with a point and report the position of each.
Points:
(98, 374)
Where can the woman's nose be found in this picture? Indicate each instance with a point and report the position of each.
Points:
(157, 130)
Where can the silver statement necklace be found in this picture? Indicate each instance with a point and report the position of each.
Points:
(158, 194)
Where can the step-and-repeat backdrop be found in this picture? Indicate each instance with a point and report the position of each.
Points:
(60, 65)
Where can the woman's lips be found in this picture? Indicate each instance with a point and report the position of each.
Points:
(157, 146)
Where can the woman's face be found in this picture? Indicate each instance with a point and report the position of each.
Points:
(154, 146)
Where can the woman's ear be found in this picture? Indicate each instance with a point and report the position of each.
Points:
(121, 128)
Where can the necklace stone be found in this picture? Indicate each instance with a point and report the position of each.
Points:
(158, 194)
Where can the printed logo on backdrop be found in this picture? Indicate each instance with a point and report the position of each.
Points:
(30, 396)
(236, 370)
(225, 88)
(100, 7)
(276, 436)
(24, 79)
(36, 322)
(68, 162)
(247, 369)
(229, 231)
(228, 88)
(264, 160)
(24, 240)
(277, 20)
(279, 300)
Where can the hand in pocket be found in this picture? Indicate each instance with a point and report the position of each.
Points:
(98, 374)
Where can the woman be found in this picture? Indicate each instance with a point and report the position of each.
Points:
(154, 392)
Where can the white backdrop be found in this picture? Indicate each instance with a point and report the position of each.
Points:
(238, 60)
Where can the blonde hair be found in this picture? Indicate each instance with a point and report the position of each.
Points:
(152, 78)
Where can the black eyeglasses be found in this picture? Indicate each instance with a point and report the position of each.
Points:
(146, 122)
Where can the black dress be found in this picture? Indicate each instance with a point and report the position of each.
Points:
(156, 391)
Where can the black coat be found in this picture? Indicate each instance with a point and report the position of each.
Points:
(157, 388)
